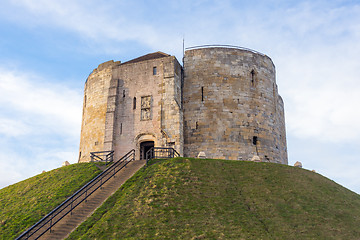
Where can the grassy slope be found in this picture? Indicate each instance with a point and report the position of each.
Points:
(217, 199)
(26, 202)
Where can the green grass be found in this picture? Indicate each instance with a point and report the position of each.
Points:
(26, 202)
(219, 199)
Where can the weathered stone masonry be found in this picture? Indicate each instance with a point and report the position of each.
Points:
(224, 102)
(131, 103)
(232, 109)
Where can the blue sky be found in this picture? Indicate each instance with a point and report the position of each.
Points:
(49, 47)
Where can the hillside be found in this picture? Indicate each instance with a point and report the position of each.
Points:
(24, 203)
(219, 199)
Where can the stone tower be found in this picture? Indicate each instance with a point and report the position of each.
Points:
(133, 105)
(232, 109)
(223, 102)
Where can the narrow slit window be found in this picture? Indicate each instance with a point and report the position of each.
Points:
(120, 128)
(255, 139)
(154, 70)
(252, 77)
(202, 94)
(134, 103)
(123, 93)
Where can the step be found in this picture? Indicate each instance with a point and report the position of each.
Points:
(69, 223)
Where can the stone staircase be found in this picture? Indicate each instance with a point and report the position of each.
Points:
(69, 223)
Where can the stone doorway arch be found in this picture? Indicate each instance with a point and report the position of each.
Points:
(144, 142)
(144, 147)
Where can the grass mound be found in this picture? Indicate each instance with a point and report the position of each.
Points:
(219, 199)
(26, 202)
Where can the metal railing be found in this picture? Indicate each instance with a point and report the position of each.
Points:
(103, 156)
(224, 46)
(47, 222)
(160, 152)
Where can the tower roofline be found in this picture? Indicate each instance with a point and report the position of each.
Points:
(210, 46)
(149, 56)
(224, 46)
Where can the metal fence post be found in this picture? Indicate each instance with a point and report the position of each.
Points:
(71, 205)
(51, 222)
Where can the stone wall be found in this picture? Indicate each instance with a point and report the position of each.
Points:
(94, 110)
(114, 116)
(232, 109)
(224, 103)
(137, 81)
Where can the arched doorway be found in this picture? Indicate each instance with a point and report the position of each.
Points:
(144, 147)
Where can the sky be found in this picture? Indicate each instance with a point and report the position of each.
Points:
(49, 47)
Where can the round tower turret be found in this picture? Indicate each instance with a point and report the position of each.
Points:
(232, 109)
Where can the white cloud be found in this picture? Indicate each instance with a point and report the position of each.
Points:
(101, 22)
(38, 103)
(13, 127)
(16, 166)
(39, 125)
(10, 173)
(314, 44)
(321, 92)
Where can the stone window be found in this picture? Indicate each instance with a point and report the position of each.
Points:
(154, 70)
(134, 103)
(121, 129)
(146, 108)
(123, 93)
(252, 77)
(202, 94)
(255, 139)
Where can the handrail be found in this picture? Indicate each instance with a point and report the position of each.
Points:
(160, 152)
(71, 202)
(225, 46)
(99, 156)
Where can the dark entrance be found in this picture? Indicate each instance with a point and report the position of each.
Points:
(144, 147)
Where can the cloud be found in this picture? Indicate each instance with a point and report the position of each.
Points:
(9, 172)
(39, 125)
(91, 20)
(325, 113)
(13, 128)
(321, 92)
(17, 164)
(36, 102)
(314, 44)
